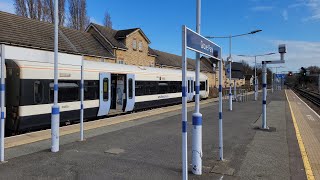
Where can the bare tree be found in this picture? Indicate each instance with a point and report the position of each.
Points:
(78, 18)
(28, 8)
(48, 9)
(20, 8)
(40, 9)
(247, 69)
(107, 20)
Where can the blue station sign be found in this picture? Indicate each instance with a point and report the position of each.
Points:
(200, 44)
(280, 76)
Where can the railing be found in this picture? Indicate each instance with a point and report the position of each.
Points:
(240, 96)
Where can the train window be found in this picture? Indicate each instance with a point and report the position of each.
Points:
(38, 92)
(163, 87)
(68, 91)
(91, 90)
(172, 87)
(202, 86)
(139, 88)
(154, 87)
(189, 86)
(130, 88)
(105, 89)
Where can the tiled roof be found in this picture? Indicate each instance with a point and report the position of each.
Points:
(115, 37)
(151, 52)
(124, 33)
(109, 34)
(237, 66)
(27, 32)
(172, 60)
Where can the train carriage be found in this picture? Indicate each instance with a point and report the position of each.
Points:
(109, 89)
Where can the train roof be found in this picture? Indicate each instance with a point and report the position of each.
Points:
(112, 67)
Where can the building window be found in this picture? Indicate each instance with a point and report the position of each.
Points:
(151, 64)
(134, 44)
(120, 61)
(140, 46)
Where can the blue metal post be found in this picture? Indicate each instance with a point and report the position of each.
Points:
(230, 63)
(81, 104)
(220, 112)
(197, 116)
(55, 115)
(235, 90)
(2, 89)
(184, 107)
(255, 79)
(264, 98)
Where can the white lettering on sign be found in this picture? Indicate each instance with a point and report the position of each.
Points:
(206, 47)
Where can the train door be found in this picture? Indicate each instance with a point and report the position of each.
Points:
(104, 93)
(130, 92)
(190, 88)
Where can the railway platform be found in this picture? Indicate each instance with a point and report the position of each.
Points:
(147, 145)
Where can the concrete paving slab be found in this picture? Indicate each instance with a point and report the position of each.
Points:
(152, 149)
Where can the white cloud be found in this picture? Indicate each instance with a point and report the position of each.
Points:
(285, 14)
(312, 5)
(7, 6)
(262, 8)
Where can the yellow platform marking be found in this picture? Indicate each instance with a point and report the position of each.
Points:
(304, 155)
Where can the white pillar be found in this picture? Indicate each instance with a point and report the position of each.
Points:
(55, 114)
(230, 69)
(197, 116)
(81, 99)
(220, 113)
(235, 90)
(272, 82)
(184, 108)
(264, 97)
(255, 79)
(2, 89)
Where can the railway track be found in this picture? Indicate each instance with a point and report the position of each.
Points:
(311, 96)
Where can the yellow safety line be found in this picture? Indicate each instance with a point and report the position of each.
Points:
(304, 154)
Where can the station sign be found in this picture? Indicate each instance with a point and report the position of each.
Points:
(200, 44)
(280, 76)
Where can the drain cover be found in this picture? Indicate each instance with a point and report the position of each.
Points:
(115, 151)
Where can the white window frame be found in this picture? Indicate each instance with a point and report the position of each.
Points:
(120, 61)
(134, 44)
(140, 45)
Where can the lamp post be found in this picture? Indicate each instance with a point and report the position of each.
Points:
(230, 58)
(55, 114)
(255, 71)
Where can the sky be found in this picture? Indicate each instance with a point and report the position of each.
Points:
(295, 23)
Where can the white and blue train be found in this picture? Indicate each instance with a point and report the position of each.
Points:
(109, 89)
